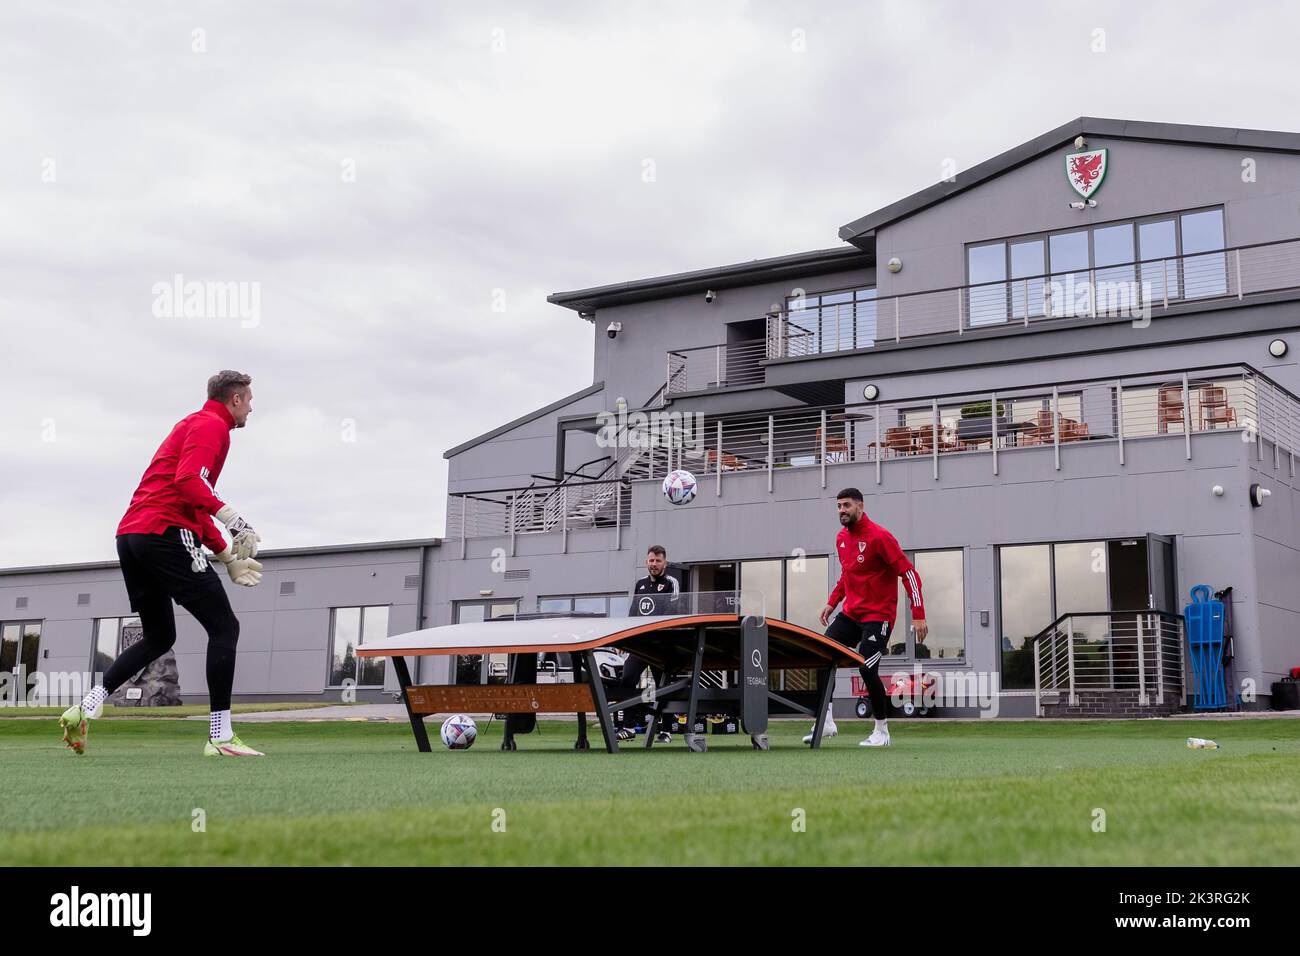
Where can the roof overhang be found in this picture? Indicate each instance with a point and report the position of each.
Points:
(862, 232)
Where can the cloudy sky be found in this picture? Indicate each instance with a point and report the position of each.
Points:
(403, 184)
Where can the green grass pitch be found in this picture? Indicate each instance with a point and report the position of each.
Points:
(945, 793)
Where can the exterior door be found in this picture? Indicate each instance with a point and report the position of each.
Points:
(1161, 580)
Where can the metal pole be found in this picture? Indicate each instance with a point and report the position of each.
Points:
(897, 320)
(822, 432)
(512, 524)
(1069, 649)
(1160, 659)
(1026, 288)
(1092, 292)
(960, 323)
(934, 449)
(718, 485)
(1187, 417)
(564, 517)
(879, 450)
(1056, 425)
(994, 420)
(1119, 410)
(1164, 265)
(1038, 683)
(618, 518)
(1239, 291)
(1143, 700)
(717, 358)
(462, 525)
(770, 453)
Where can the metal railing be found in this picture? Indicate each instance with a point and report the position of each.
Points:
(1172, 406)
(715, 366)
(1140, 287)
(1126, 651)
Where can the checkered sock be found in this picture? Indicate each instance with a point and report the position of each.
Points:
(219, 725)
(92, 702)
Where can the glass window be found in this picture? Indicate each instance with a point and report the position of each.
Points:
(375, 626)
(1157, 240)
(831, 321)
(945, 604)
(806, 589)
(1068, 254)
(864, 319)
(764, 577)
(1081, 587)
(1026, 608)
(1204, 269)
(591, 605)
(1026, 262)
(469, 668)
(987, 303)
(1113, 254)
(343, 644)
(555, 605)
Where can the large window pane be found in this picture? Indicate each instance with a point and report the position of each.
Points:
(763, 577)
(1081, 587)
(1068, 256)
(865, 319)
(555, 605)
(371, 672)
(1026, 608)
(9, 651)
(343, 644)
(1204, 275)
(105, 649)
(590, 605)
(945, 604)
(1027, 261)
(987, 303)
(805, 592)
(837, 321)
(1113, 254)
(1158, 241)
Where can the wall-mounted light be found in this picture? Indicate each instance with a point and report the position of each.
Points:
(1217, 491)
(895, 265)
(1277, 348)
(485, 592)
(710, 296)
(871, 393)
(1257, 495)
(1080, 142)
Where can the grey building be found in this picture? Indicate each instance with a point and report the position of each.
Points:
(1057, 378)
(297, 629)
(1064, 379)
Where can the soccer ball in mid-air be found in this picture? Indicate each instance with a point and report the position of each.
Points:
(679, 487)
(459, 732)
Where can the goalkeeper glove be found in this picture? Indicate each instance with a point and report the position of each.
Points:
(243, 538)
(243, 571)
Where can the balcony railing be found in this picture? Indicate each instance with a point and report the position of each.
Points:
(1130, 651)
(1135, 289)
(1050, 418)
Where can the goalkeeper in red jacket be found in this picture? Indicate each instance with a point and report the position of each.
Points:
(160, 544)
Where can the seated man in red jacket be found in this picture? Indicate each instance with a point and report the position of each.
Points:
(871, 562)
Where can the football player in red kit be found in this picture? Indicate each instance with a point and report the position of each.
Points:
(160, 546)
(871, 562)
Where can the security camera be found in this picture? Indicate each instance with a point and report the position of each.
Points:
(710, 296)
(613, 329)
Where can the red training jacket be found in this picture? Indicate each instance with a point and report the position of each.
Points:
(177, 489)
(871, 563)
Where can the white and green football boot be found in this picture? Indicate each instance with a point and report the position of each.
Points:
(234, 747)
(74, 723)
